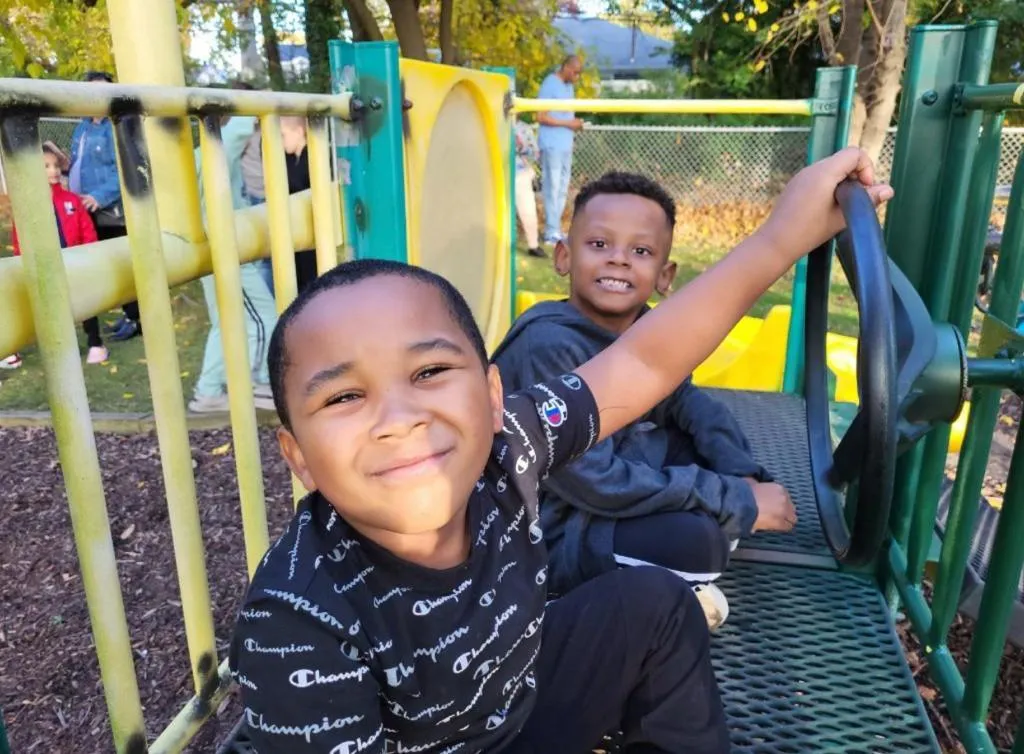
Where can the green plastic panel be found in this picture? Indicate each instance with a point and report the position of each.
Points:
(776, 425)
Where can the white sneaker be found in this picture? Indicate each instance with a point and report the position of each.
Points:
(208, 404)
(716, 607)
(11, 362)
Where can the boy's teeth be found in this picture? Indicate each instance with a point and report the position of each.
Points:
(611, 283)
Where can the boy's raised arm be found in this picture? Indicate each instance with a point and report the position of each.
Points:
(650, 359)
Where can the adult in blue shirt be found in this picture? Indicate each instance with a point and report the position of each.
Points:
(94, 177)
(555, 139)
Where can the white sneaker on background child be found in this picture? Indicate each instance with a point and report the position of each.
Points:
(11, 362)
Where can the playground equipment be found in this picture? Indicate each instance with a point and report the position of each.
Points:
(810, 660)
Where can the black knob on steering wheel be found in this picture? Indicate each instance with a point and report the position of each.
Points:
(866, 457)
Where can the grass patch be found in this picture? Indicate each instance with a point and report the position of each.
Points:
(539, 275)
(122, 383)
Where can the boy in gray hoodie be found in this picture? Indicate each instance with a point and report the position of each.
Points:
(677, 489)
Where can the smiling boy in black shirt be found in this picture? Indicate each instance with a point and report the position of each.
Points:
(404, 608)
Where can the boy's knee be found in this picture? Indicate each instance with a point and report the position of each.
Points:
(650, 593)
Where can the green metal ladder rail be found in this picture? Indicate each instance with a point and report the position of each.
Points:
(944, 176)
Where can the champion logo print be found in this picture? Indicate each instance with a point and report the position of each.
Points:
(572, 382)
(555, 411)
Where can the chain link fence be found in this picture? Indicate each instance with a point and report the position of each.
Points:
(713, 173)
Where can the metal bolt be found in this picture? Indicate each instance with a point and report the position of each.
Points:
(376, 103)
(930, 97)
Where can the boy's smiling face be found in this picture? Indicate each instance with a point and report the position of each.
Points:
(616, 257)
(392, 412)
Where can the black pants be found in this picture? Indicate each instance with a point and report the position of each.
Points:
(92, 332)
(690, 543)
(627, 650)
(104, 233)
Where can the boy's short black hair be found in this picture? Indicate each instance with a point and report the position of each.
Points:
(91, 76)
(348, 273)
(618, 182)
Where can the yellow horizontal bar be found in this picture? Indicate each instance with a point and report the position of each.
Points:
(103, 271)
(77, 98)
(673, 106)
(186, 724)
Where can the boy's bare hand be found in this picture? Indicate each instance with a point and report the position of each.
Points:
(807, 214)
(775, 510)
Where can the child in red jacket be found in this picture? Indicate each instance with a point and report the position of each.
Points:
(75, 227)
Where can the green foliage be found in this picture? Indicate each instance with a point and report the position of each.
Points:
(53, 38)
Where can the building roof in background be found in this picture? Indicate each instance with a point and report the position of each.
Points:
(614, 47)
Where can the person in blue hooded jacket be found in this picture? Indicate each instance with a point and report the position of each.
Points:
(93, 176)
(677, 489)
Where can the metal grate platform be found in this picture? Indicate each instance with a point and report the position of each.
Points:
(776, 425)
(809, 662)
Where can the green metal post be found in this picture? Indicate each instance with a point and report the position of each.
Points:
(926, 100)
(980, 195)
(830, 132)
(1000, 593)
(513, 276)
(1007, 554)
(970, 473)
(5, 746)
(371, 148)
(941, 271)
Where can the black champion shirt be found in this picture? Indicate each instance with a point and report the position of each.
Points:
(341, 647)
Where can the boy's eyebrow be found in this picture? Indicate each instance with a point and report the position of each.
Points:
(437, 344)
(338, 370)
(326, 375)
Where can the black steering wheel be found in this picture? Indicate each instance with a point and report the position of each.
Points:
(896, 344)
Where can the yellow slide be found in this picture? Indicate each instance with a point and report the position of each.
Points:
(753, 357)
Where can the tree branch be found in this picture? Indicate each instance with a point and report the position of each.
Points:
(364, 26)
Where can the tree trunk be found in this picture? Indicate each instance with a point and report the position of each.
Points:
(270, 48)
(321, 26)
(847, 50)
(360, 18)
(447, 32)
(406, 19)
(252, 63)
(886, 76)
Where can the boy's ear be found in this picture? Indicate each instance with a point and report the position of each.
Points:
(563, 258)
(666, 277)
(497, 396)
(294, 458)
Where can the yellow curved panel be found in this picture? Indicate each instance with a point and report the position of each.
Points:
(457, 140)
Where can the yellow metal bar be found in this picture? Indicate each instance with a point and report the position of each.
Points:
(168, 402)
(49, 296)
(224, 253)
(282, 252)
(186, 724)
(275, 183)
(155, 57)
(320, 184)
(76, 98)
(103, 271)
(670, 106)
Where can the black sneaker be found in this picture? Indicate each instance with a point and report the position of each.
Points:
(537, 252)
(127, 331)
